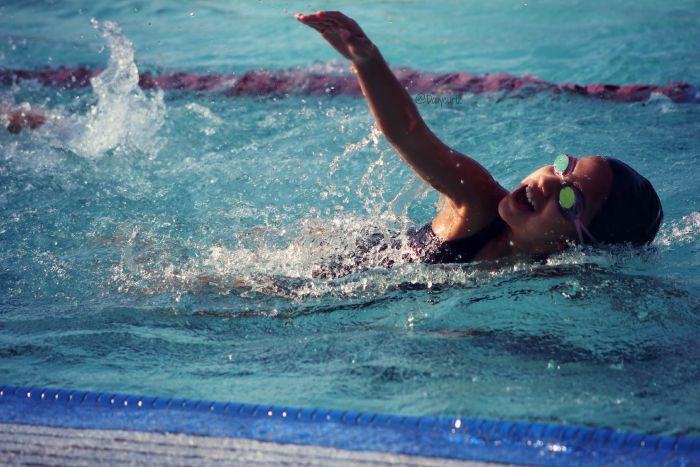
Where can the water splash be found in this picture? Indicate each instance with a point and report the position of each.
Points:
(683, 231)
(207, 115)
(124, 117)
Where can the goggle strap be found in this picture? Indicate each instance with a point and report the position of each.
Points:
(579, 228)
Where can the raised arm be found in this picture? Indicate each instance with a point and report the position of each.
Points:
(471, 190)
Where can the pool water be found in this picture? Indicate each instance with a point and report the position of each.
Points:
(168, 243)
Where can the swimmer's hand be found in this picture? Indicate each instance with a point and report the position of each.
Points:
(343, 33)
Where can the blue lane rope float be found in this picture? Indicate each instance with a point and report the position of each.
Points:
(456, 438)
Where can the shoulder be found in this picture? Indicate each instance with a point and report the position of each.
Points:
(497, 244)
(462, 250)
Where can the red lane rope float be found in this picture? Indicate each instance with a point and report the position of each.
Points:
(287, 82)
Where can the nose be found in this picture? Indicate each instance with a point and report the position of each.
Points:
(549, 184)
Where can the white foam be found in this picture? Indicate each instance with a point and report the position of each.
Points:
(204, 112)
(124, 117)
(683, 231)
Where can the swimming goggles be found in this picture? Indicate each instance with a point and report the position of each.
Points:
(570, 199)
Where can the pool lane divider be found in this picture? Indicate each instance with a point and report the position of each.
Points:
(455, 438)
(427, 87)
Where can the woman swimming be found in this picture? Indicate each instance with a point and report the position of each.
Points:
(586, 200)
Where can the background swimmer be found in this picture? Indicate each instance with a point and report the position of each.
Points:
(16, 118)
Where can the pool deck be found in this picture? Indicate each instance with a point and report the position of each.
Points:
(41, 426)
(43, 445)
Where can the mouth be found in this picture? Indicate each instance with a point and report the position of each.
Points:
(523, 198)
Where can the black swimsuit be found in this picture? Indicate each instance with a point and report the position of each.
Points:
(430, 249)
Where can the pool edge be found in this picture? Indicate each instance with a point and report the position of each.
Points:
(440, 437)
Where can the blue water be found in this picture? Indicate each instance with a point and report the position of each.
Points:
(165, 243)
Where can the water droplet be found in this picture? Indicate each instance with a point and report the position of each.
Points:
(552, 365)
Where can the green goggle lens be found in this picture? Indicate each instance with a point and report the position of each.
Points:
(567, 197)
(561, 163)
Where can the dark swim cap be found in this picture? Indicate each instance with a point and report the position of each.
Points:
(632, 212)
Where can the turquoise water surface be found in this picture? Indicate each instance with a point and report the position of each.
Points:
(165, 243)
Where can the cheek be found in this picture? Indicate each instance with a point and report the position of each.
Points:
(515, 218)
(555, 226)
(551, 225)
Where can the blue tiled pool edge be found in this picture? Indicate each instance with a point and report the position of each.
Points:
(465, 439)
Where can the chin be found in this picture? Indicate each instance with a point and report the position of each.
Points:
(503, 210)
(512, 218)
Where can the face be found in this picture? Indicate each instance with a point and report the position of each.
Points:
(532, 210)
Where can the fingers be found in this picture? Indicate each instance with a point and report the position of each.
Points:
(325, 20)
(319, 27)
(341, 20)
(313, 21)
(326, 28)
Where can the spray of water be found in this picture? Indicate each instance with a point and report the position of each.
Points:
(683, 231)
(124, 118)
(311, 257)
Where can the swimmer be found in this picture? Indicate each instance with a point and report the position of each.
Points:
(16, 118)
(585, 200)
